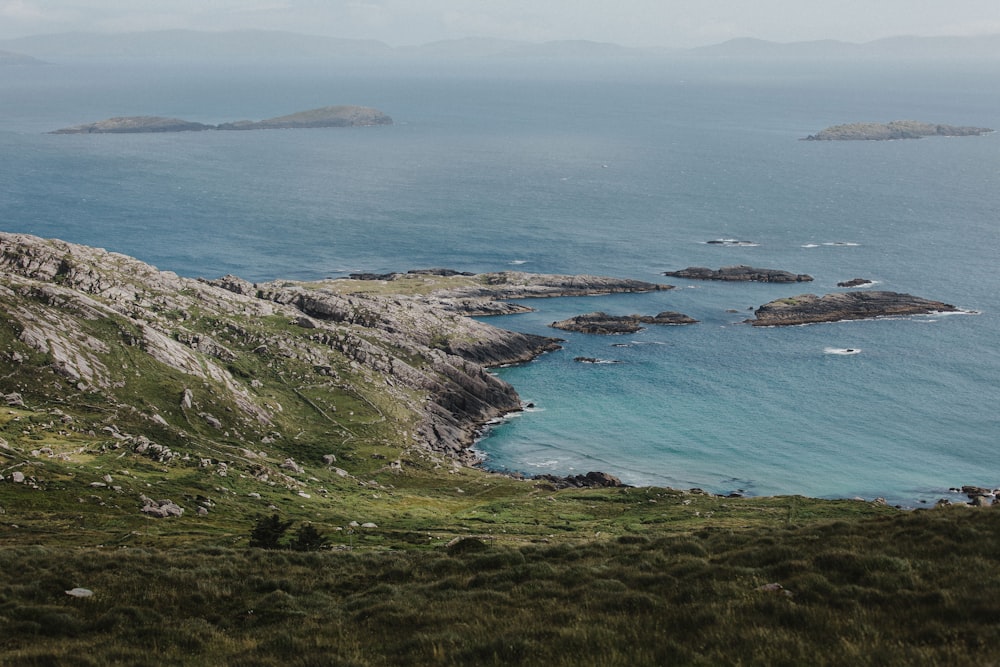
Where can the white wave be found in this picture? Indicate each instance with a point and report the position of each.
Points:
(732, 242)
(518, 262)
(811, 245)
(841, 350)
(842, 244)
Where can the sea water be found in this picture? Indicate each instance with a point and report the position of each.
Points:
(625, 170)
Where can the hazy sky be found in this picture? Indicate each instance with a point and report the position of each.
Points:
(680, 23)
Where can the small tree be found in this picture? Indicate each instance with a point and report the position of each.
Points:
(308, 539)
(268, 531)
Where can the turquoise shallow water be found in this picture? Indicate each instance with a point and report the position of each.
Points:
(612, 171)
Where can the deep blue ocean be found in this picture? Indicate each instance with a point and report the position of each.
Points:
(626, 170)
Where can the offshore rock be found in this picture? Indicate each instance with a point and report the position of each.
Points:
(740, 273)
(602, 323)
(809, 308)
(854, 282)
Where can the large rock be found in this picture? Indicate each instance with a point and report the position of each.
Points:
(602, 323)
(591, 480)
(740, 273)
(809, 308)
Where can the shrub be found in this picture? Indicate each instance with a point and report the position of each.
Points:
(268, 532)
(308, 539)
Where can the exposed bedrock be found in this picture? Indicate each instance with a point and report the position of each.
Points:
(740, 273)
(809, 308)
(602, 323)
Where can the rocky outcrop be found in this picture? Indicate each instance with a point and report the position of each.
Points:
(897, 129)
(519, 285)
(589, 481)
(333, 116)
(809, 308)
(855, 282)
(602, 323)
(740, 273)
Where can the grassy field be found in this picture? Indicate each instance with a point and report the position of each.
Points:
(916, 588)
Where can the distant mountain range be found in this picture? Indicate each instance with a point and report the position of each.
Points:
(262, 45)
(12, 59)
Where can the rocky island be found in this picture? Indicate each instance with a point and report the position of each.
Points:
(604, 324)
(855, 282)
(332, 116)
(897, 129)
(739, 273)
(810, 309)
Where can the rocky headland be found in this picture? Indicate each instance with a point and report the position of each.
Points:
(195, 358)
(332, 116)
(604, 324)
(740, 273)
(897, 129)
(810, 309)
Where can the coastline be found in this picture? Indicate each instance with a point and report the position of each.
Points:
(408, 334)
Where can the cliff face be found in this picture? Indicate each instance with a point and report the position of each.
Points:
(241, 364)
(86, 324)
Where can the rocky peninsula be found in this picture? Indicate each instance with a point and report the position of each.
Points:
(604, 324)
(897, 129)
(811, 309)
(332, 116)
(217, 355)
(740, 273)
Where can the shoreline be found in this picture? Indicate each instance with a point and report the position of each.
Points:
(412, 330)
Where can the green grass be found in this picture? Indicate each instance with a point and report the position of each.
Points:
(907, 589)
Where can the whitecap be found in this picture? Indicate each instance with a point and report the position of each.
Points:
(844, 244)
(811, 245)
(518, 262)
(841, 350)
(732, 242)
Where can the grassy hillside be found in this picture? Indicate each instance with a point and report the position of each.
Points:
(907, 589)
(345, 407)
